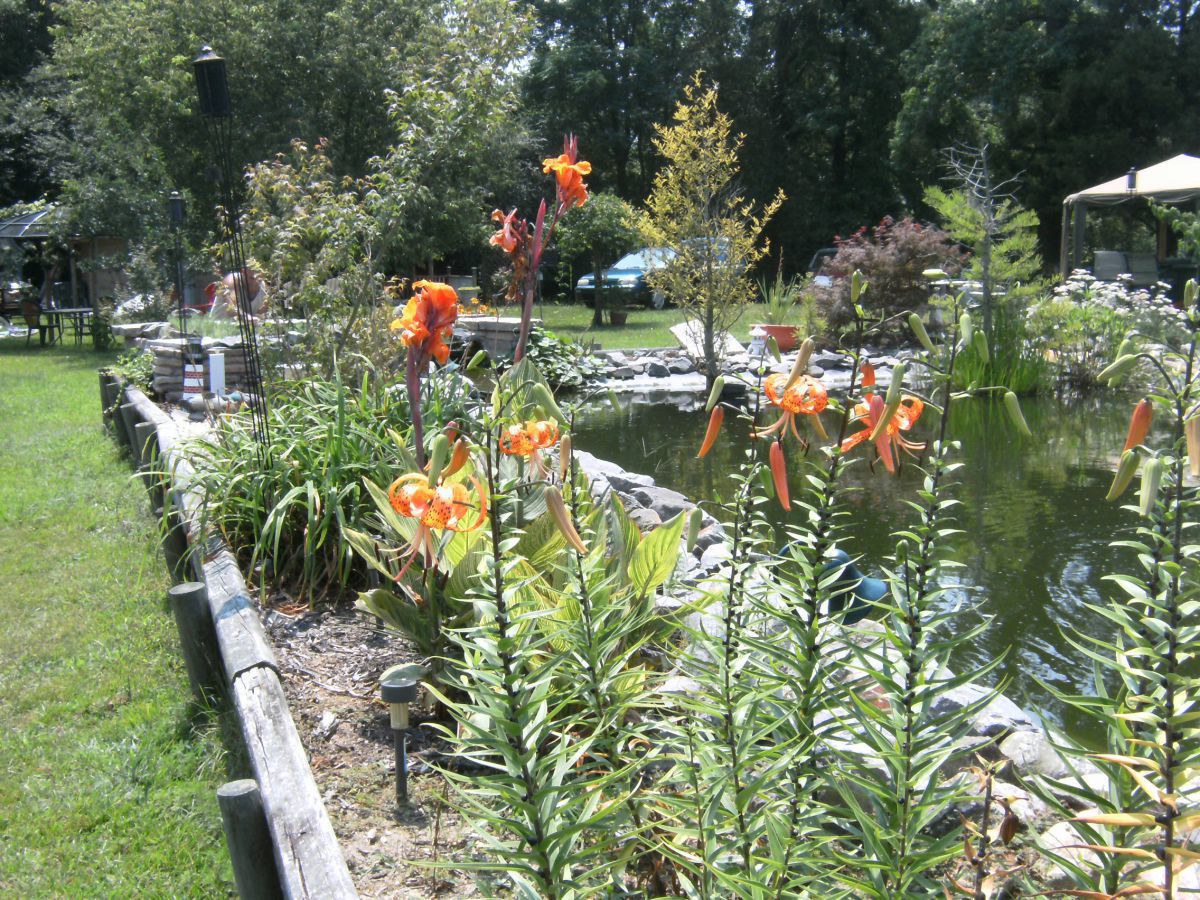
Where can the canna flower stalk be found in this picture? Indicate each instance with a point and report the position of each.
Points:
(525, 249)
(425, 328)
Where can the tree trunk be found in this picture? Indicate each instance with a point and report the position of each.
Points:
(597, 290)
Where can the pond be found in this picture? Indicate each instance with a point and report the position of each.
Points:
(1036, 528)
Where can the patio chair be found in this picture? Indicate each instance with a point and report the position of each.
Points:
(1109, 264)
(34, 319)
(1143, 267)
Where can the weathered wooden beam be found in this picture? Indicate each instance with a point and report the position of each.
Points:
(309, 858)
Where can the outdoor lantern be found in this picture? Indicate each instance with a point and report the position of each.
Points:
(211, 84)
(1131, 179)
(398, 690)
(176, 209)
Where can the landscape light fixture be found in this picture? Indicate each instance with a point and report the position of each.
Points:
(1131, 179)
(398, 692)
(212, 87)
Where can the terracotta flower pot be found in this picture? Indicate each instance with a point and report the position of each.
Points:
(785, 335)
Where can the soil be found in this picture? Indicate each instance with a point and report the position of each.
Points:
(330, 661)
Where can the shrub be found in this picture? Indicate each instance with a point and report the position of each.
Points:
(891, 256)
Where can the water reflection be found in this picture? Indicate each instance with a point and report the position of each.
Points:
(1035, 527)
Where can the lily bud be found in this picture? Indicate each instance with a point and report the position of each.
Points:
(695, 521)
(934, 274)
(979, 342)
(966, 329)
(1013, 406)
(437, 458)
(891, 402)
(1190, 291)
(779, 475)
(1126, 469)
(558, 512)
(458, 458)
(858, 285)
(773, 349)
(1151, 478)
(714, 396)
(451, 430)
(540, 394)
(1139, 424)
(868, 375)
(918, 328)
(714, 428)
(1118, 368)
(564, 457)
(1191, 431)
(800, 366)
(478, 361)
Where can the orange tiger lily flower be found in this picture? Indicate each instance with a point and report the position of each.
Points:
(890, 440)
(529, 440)
(428, 322)
(1139, 424)
(805, 397)
(447, 507)
(506, 238)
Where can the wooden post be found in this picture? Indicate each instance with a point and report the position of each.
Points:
(144, 445)
(108, 396)
(176, 551)
(129, 418)
(198, 638)
(249, 840)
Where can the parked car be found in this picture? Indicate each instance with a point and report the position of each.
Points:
(626, 278)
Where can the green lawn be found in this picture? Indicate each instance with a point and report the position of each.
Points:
(107, 776)
(645, 327)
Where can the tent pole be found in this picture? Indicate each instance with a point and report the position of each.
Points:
(1064, 236)
(1077, 240)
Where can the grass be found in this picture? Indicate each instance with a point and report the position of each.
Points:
(645, 328)
(107, 773)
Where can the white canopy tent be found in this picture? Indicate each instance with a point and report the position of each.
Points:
(1176, 180)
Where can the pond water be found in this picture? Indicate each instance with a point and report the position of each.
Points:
(1036, 527)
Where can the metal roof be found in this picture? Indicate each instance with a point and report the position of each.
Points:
(27, 225)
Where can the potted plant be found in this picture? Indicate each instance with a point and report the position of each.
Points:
(779, 299)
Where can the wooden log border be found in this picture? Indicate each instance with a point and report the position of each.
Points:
(307, 854)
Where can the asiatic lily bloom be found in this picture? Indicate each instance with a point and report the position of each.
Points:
(529, 440)
(891, 439)
(805, 397)
(568, 172)
(427, 322)
(446, 507)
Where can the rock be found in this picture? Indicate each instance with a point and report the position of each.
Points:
(816, 371)
(1032, 754)
(657, 370)
(709, 535)
(1063, 840)
(996, 718)
(680, 367)
(645, 519)
(621, 373)
(1028, 809)
(680, 684)
(327, 726)
(714, 555)
(666, 503)
(628, 482)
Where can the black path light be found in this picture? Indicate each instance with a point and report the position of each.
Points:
(212, 86)
(398, 690)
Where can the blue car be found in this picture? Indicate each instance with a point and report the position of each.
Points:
(625, 281)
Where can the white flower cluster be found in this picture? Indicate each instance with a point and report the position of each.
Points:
(1149, 310)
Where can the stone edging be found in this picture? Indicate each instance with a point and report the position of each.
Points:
(307, 854)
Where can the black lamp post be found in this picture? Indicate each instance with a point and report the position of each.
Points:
(177, 214)
(212, 86)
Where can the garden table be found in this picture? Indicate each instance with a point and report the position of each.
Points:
(76, 316)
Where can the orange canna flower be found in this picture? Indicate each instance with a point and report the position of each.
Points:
(506, 238)
(427, 322)
(1139, 424)
(890, 440)
(806, 397)
(568, 172)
